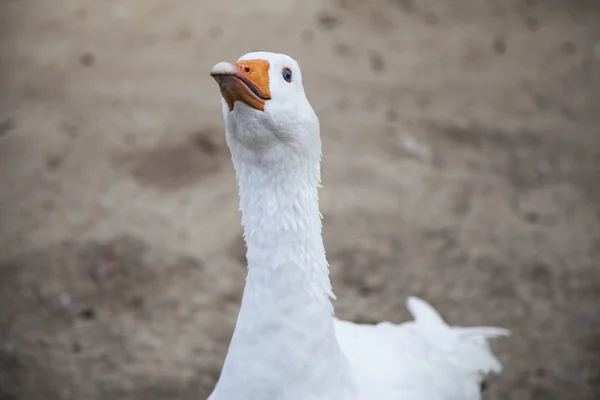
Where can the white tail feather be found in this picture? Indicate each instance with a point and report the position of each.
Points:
(466, 347)
(423, 312)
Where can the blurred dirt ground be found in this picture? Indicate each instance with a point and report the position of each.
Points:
(462, 164)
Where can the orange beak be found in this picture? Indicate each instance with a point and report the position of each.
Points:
(246, 81)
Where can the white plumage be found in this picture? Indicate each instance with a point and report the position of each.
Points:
(424, 359)
(287, 345)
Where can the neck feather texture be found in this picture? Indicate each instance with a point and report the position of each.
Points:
(282, 225)
(284, 344)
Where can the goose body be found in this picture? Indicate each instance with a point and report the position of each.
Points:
(287, 344)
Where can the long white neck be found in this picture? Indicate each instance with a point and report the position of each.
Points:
(284, 345)
(282, 228)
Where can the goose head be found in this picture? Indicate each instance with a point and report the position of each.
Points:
(267, 115)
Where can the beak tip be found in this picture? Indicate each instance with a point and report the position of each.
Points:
(223, 68)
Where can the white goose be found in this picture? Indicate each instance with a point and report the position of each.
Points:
(287, 344)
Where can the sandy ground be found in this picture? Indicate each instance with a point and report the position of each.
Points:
(462, 164)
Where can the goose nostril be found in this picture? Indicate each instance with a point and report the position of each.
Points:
(247, 69)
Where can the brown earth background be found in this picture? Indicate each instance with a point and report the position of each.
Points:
(462, 164)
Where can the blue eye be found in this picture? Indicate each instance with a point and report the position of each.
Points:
(287, 74)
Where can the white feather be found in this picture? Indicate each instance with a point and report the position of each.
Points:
(287, 345)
